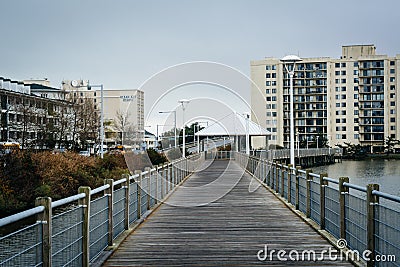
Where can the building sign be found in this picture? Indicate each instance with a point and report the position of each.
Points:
(127, 98)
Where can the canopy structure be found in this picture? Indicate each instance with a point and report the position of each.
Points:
(233, 124)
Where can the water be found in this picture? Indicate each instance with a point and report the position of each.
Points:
(386, 173)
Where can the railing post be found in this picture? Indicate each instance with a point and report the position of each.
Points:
(110, 192)
(148, 176)
(297, 202)
(85, 203)
(322, 185)
(139, 193)
(343, 190)
(127, 185)
(283, 180)
(289, 183)
(308, 193)
(170, 177)
(165, 179)
(156, 187)
(372, 200)
(278, 171)
(45, 218)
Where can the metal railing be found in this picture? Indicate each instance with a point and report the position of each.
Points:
(366, 218)
(83, 225)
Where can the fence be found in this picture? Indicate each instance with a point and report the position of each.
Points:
(365, 217)
(90, 221)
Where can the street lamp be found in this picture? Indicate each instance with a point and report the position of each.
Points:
(89, 87)
(172, 111)
(247, 134)
(291, 60)
(183, 102)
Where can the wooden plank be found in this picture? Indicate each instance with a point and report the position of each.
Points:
(227, 232)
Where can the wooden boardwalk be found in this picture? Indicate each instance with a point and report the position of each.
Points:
(227, 232)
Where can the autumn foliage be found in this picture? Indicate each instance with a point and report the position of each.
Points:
(25, 176)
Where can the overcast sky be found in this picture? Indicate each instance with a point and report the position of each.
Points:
(123, 43)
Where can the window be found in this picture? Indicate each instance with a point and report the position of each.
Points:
(343, 72)
(392, 119)
(337, 89)
(337, 72)
(392, 63)
(355, 88)
(337, 97)
(273, 67)
(268, 98)
(356, 80)
(337, 81)
(268, 83)
(337, 105)
(274, 98)
(392, 87)
(392, 128)
(343, 112)
(392, 79)
(355, 104)
(344, 136)
(355, 120)
(268, 67)
(355, 64)
(343, 65)
(343, 104)
(268, 75)
(356, 128)
(337, 120)
(343, 96)
(392, 71)
(273, 90)
(267, 91)
(392, 104)
(356, 136)
(392, 95)
(392, 111)
(343, 120)
(355, 72)
(273, 75)
(338, 136)
(355, 96)
(344, 89)
(273, 83)
(343, 80)
(337, 65)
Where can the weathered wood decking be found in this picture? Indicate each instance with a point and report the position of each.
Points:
(227, 232)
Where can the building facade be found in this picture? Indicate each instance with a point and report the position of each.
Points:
(123, 111)
(352, 99)
(30, 118)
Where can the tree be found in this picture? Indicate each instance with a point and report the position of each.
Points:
(122, 125)
(389, 144)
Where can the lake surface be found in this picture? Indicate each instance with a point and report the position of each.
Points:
(386, 173)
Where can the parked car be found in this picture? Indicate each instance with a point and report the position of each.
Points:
(84, 153)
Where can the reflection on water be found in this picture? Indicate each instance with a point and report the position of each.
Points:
(386, 173)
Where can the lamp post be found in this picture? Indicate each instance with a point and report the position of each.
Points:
(89, 87)
(247, 134)
(317, 141)
(291, 60)
(183, 102)
(172, 111)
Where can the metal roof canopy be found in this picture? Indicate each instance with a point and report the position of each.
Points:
(231, 125)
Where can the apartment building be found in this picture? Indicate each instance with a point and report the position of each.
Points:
(350, 99)
(31, 117)
(123, 110)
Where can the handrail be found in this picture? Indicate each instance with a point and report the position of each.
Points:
(331, 180)
(21, 215)
(386, 196)
(99, 189)
(356, 187)
(67, 200)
